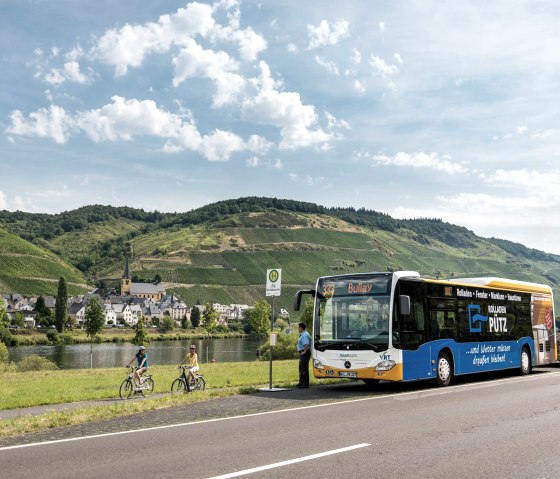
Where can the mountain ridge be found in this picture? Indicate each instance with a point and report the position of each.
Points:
(224, 247)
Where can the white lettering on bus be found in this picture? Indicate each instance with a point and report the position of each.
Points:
(499, 296)
(498, 324)
(492, 309)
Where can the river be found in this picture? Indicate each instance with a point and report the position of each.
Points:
(108, 355)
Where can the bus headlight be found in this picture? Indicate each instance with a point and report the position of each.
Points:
(385, 365)
(317, 364)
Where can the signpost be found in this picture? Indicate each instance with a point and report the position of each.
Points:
(273, 288)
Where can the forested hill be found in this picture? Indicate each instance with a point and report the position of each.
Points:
(219, 252)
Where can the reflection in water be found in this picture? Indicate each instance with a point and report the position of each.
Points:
(108, 355)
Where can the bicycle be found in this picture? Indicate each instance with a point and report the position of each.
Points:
(129, 389)
(179, 386)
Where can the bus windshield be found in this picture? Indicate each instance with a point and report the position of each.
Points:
(353, 313)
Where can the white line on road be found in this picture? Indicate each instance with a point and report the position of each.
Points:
(397, 396)
(290, 461)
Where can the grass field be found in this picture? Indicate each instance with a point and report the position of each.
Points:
(20, 390)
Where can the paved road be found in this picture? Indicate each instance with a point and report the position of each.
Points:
(503, 428)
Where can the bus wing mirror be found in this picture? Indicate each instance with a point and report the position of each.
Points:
(299, 294)
(404, 304)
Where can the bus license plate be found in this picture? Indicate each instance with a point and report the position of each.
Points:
(347, 374)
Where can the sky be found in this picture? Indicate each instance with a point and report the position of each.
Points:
(418, 109)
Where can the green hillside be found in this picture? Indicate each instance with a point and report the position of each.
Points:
(221, 252)
(29, 269)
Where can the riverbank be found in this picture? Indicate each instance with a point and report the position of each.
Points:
(23, 390)
(32, 337)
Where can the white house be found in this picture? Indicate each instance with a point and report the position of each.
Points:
(110, 315)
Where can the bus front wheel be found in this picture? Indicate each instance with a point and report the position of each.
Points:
(444, 372)
(525, 362)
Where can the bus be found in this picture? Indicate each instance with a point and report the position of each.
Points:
(399, 326)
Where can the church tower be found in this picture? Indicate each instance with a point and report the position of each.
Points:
(125, 280)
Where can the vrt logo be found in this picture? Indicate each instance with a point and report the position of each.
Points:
(475, 318)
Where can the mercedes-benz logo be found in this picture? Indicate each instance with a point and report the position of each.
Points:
(347, 365)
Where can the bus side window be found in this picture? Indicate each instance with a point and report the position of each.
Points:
(449, 327)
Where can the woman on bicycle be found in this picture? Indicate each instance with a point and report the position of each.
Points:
(142, 358)
(192, 359)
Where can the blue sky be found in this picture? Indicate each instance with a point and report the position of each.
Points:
(414, 108)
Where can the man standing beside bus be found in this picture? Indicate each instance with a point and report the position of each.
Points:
(304, 351)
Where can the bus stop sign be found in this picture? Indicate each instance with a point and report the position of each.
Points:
(273, 282)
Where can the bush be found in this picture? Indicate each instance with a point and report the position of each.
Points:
(36, 363)
(3, 353)
(53, 336)
(6, 337)
(285, 347)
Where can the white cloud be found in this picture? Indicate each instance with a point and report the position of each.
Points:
(254, 162)
(382, 26)
(219, 145)
(381, 67)
(356, 58)
(124, 120)
(420, 160)
(128, 46)
(325, 34)
(292, 48)
(359, 86)
(397, 58)
(53, 123)
(543, 185)
(329, 66)
(3, 202)
(195, 61)
(297, 122)
(70, 72)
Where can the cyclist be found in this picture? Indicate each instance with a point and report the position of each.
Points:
(142, 358)
(192, 359)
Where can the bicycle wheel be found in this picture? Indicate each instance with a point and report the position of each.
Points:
(149, 385)
(178, 387)
(127, 389)
(199, 383)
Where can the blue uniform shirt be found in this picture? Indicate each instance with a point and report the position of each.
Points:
(304, 339)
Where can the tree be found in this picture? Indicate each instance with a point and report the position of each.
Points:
(61, 305)
(93, 322)
(185, 321)
(140, 337)
(44, 316)
(259, 317)
(157, 278)
(210, 318)
(94, 317)
(195, 317)
(168, 324)
(4, 320)
(18, 320)
(307, 314)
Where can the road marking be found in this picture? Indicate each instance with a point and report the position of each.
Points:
(290, 461)
(398, 396)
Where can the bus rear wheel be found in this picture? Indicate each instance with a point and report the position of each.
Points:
(525, 362)
(444, 370)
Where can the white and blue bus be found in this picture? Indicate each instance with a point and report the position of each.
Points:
(402, 327)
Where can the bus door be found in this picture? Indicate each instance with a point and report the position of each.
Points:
(410, 332)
